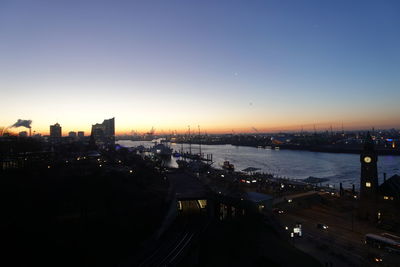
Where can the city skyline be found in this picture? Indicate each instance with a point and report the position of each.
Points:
(24, 126)
(224, 66)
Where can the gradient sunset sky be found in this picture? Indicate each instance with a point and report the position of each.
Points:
(223, 65)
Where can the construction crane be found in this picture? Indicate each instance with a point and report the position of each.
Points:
(152, 131)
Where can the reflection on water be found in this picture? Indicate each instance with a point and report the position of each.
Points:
(343, 168)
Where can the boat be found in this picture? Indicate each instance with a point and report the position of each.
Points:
(182, 164)
(162, 151)
(191, 156)
(176, 154)
(228, 166)
(141, 149)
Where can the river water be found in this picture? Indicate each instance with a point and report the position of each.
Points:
(293, 164)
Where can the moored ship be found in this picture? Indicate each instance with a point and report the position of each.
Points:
(162, 151)
(228, 166)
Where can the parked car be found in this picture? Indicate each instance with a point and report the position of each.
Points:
(278, 211)
(322, 226)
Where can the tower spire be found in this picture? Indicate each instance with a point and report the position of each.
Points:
(369, 143)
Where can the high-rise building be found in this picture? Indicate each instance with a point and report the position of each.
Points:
(81, 134)
(72, 134)
(104, 133)
(55, 132)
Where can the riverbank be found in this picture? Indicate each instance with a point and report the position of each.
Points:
(345, 149)
(296, 164)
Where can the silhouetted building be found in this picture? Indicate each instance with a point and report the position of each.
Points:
(23, 134)
(388, 210)
(81, 134)
(55, 132)
(38, 135)
(104, 133)
(378, 204)
(72, 134)
(369, 180)
(92, 144)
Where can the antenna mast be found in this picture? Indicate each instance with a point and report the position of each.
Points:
(199, 141)
(190, 142)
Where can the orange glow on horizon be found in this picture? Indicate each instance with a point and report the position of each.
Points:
(216, 128)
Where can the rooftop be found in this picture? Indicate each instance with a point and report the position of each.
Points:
(391, 187)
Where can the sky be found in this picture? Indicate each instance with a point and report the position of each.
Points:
(239, 66)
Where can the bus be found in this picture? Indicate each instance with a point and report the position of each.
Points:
(382, 242)
(390, 236)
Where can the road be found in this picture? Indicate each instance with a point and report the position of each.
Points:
(280, 200)
(341, 244)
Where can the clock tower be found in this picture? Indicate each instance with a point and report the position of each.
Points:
(369, 180)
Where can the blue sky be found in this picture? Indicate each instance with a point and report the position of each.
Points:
(221, 64)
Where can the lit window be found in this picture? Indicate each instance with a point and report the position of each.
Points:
(180, 205)
(368, 184)
(391, 198)
(386, 197)
(202, 203)
(260, 208)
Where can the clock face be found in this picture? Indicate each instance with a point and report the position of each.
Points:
(367, 159)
